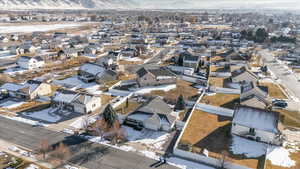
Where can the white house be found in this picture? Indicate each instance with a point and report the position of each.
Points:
(256, 124)
(76, 102)
(30, 63)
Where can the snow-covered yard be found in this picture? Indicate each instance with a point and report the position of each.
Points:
(76, 83)
(152, 139)
(149, 89)
(80, 122)
(279, 156)
(11, 104)
(14, 71)
(34, 28)
(46, 115)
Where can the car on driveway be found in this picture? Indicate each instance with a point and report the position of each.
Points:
(280, 103)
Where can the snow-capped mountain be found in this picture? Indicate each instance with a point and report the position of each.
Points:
(67, 4)
(149, 4)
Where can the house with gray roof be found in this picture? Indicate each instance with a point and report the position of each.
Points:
(154, 115)
(257, 124)
(76, 102)
(155, 76)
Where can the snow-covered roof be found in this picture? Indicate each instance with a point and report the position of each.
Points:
(92, 68)
(11, 86)
(256, 118)
(65, 96)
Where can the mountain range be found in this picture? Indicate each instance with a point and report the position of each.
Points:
(149, 4)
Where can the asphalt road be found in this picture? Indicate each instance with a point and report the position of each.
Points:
(84, 153)
(287, 79)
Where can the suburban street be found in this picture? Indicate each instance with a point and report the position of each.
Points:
(288, 80)
(84, 153)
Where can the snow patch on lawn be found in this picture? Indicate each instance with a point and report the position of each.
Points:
(144, 90)
(44, 115)
(11, 104)
(80, 122)
(23, 120)
(280, 156)
(153, 139)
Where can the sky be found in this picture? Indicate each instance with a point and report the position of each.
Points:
(226, 4)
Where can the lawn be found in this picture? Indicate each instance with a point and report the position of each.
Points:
(182, 88)
(289, 118)
(274, 90)
(223, 100)
(132, 105)
(216, 81)
(212, 132)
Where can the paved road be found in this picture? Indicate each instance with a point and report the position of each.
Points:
(84, 153)
(288, 80)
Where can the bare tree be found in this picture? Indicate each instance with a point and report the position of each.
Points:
(62, 153)
(44, 148)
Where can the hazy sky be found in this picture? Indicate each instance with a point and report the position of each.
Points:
(277, 4)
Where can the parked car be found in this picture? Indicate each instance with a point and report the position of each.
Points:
(280, 103)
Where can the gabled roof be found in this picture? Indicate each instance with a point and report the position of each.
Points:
(93, 69)
(161, 71)
(157, 106)
(256, 118)
(241, 71)
(65, 96)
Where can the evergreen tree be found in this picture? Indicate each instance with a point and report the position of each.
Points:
(110, 116)
(180, 105)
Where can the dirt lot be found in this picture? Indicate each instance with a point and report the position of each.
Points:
(274, 90)
(212, 132)
(223, 100)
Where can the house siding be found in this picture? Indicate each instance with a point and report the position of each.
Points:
(265, 136)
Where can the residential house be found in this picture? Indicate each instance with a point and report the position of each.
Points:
(30, 90)
(154, 115)
(256, 124)
(88, 72)
(25, 49)
(155, 76)
(253, 95)
(190, 60)
(241, 75)
(106, 76)
(30, 63)
(76, 102)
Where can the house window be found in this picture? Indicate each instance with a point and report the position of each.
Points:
(252, 131)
